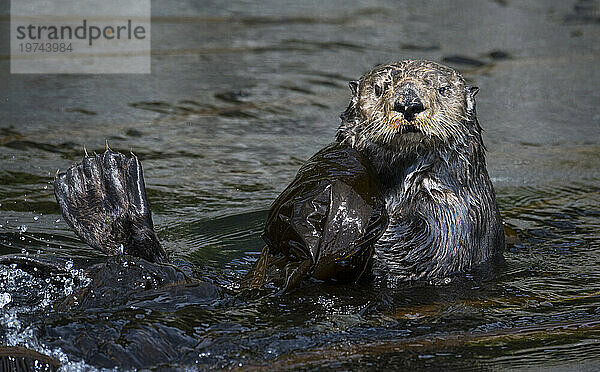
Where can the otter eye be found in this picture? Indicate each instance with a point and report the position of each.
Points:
(378, 90)
(443, 90)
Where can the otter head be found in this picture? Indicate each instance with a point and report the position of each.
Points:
(409, 105)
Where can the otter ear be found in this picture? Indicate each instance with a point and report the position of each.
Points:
(353, 87)
(471, 93)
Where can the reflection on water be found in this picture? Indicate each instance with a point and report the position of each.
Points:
(239, 96)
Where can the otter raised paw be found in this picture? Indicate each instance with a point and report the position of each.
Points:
(103, 199)
(325, 223)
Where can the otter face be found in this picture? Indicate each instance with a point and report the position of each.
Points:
(410, 103)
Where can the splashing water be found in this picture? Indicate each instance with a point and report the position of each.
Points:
(25, 297)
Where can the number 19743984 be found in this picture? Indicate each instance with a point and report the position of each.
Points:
(45, 47)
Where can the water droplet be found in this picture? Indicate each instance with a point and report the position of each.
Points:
(22, 228)
(5, 299)
(69, 265)
(35, 218)
(57, 220)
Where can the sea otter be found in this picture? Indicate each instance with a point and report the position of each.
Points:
(402, 193)
(415, 124)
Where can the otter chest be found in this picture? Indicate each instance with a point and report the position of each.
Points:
(419, 189)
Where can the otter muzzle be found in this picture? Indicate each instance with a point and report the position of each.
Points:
(408, 104)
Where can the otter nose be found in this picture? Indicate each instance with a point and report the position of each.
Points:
(408, 103)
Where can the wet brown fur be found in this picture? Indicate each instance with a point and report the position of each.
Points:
(443, 213)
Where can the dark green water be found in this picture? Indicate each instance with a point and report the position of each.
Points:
(240, 95)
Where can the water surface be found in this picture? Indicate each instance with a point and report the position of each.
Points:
(239, 96)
